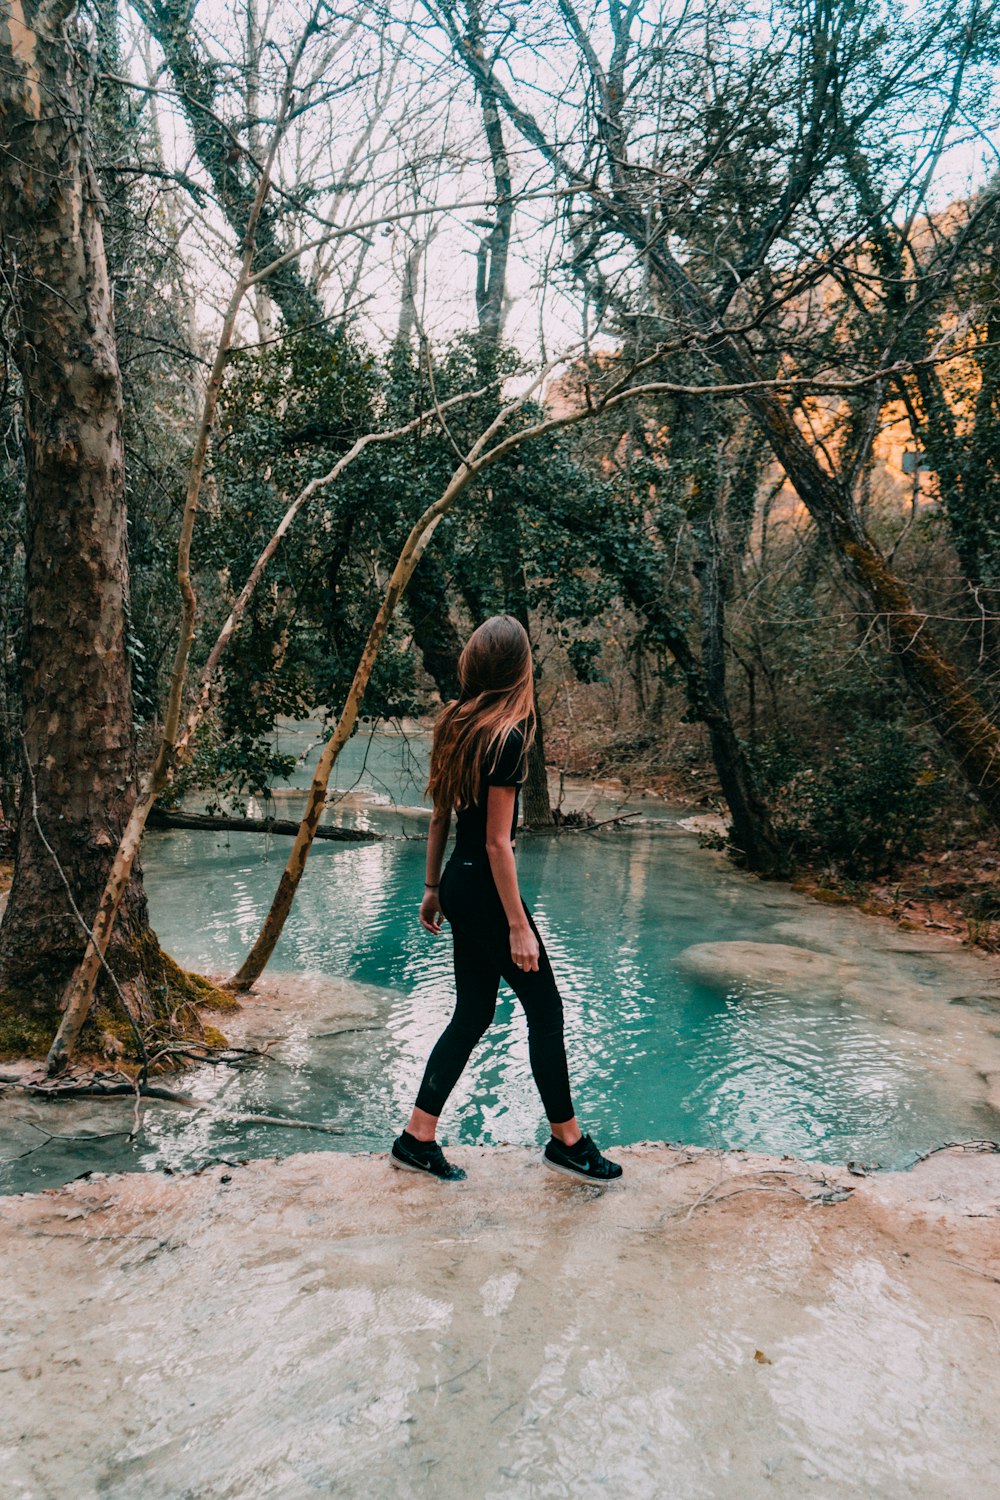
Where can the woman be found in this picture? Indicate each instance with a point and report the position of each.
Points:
(478, 756)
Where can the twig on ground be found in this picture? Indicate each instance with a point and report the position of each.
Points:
(976, 1144)
(706, 1195)
(973, 1270)
(830, 1192)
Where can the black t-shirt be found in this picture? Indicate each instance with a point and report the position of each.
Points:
(509, 770)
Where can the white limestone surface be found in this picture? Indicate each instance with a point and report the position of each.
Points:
(715, 1327)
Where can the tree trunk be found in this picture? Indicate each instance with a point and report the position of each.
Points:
(494, 247)
(10, 720)
(78, 730)
(169, 21)
(479, 457)
(536, 807)
(234, 179)
(491, 290)
(434, 631)
(413, 549)
(753, 834)
(535, 802)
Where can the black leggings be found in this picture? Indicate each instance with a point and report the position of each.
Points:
(471, 903)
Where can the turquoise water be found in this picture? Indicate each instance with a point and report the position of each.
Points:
(654, 1053)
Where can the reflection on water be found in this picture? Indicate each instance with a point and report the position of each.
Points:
(655, 1053)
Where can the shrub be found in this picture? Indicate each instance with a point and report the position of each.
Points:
(865, 807)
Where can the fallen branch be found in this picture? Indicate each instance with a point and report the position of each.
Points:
(561, 828)
(979, 1143)
(619, 818)
(214, 1057)
(279, 1120)
(160, 818)
(92, 1090)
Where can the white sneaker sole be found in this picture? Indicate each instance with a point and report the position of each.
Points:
(555, 1166)
(407, 1166)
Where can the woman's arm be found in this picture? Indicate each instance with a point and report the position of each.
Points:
(437, 838)
(499, 816)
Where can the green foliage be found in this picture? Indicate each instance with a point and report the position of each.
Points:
(230, 766)
(523, 538)
(584, 658)
(865, 806)
(287, 413)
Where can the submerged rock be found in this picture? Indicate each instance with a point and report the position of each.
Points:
(778, 964)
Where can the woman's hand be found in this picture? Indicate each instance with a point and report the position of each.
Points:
(430, 912)
(524, 947)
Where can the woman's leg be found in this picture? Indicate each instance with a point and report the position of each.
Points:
(570, 1151)
(481, 936)
(477, 979)
(539, 995)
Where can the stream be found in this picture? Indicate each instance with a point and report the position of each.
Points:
(702, 1005)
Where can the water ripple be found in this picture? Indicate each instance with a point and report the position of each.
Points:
(654, 1052)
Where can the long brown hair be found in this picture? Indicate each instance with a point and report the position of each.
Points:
(496, 694)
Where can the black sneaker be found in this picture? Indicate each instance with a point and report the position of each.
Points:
(412, 1155)
(583, 1160)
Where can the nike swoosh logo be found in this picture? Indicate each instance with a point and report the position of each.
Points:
(418, 1161)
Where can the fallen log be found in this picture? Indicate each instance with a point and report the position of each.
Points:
(161, 818)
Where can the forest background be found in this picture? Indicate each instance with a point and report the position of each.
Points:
(672, 330)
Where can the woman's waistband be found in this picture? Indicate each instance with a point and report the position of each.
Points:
(478, 855)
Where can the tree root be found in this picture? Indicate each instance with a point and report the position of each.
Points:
(155, 1008)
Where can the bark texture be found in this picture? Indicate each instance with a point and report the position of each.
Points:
(79, 737)
(80, 992)
(753, 835)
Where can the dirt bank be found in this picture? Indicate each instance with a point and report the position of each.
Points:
(721, 1326)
